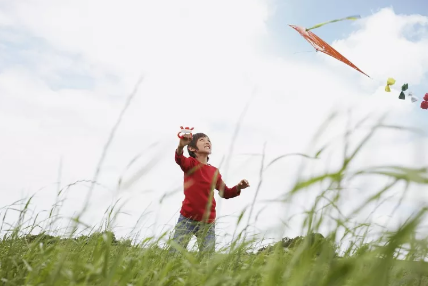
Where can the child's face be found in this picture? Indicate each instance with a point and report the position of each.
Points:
(204, 145)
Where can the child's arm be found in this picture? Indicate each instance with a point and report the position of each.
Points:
(228, 193)
(184, 162)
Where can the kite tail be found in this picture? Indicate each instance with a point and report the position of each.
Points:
(355, 17)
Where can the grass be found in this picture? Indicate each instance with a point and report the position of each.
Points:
(98, 258)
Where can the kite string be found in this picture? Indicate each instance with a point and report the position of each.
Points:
(303, 52)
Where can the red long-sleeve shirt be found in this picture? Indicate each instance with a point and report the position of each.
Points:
(199, 180)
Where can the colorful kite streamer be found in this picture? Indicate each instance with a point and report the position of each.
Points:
(402, 95)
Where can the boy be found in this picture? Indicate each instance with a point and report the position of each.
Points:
(198, 213)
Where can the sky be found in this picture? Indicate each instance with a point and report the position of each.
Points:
(67, 69)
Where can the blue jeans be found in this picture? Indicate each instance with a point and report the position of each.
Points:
(204, 232)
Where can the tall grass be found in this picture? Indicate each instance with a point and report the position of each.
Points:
(98, 258)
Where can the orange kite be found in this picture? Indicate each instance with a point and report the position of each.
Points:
(322, 46)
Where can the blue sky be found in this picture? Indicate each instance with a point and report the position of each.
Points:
(20, 49)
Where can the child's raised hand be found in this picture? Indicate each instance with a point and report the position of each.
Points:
(187, 138)
(243, 184)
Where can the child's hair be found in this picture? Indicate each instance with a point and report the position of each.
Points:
(192, 144)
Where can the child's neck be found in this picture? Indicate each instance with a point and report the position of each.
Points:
(202, 158)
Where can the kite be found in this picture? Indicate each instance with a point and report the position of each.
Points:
(321, 46)
(389, 82)
(186, 130)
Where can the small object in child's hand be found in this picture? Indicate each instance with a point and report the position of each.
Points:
(185, 130)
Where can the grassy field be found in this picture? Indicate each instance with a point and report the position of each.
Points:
(100, 260)
(393, 258)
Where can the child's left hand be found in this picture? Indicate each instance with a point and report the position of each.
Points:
(243, 184)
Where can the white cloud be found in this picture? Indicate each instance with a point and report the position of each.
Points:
(390, 45)
(201, 66)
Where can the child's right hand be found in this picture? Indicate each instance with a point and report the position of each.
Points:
(187, 138)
